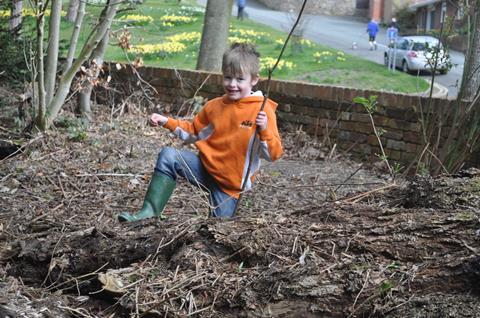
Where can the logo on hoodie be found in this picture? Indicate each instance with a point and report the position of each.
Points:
(247, 124)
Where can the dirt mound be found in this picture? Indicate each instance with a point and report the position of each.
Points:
(460, 191)
(315, 238)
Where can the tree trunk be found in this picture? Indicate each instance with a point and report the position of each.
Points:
(84, 102)
(66, 79)
(463, 130)
(76, 32)
(15, 21)
(214, 35)
(72, 10)
(42, 107)
(472, 60)
(52, 50)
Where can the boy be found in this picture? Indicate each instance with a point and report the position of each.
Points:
(222, 132)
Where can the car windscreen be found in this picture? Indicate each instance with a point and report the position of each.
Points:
(422, 46)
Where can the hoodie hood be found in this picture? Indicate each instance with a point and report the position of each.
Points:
(256, 97)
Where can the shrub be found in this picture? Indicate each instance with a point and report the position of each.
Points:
(406, 21)
(12, 57)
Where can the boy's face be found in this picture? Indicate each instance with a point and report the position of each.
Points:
(238, 86)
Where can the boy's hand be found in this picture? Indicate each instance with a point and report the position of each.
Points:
(157, 120)
(262, 121)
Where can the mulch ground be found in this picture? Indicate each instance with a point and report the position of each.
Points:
(320, 235)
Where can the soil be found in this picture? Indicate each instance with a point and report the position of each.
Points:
(319, 236)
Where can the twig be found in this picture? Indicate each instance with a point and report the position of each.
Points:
(137, 313)
(48, 155)
(79, 277)
(328, 268)
(5, 178)
(76, 311)
(196, 92)
(294, 248)
(349, 241)
(226, 258)
(358, 295)
(401, 304)
(199, 311)
(357, 198)
(61, 187)
(319, 185)
(473, 250)
(174, 238)
(109, 174)
(439, 161)
(332, 151)
(53, 257)
(348, 178)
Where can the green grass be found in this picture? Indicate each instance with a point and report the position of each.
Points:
(336, 69)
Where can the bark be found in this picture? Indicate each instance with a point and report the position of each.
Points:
(42, 108)
(66, 79)
(52, 50)
(15, 21)
(472, 60)
(84, 100)
(214, 35)
(73, 7)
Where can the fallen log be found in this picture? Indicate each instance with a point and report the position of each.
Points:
(332, 259)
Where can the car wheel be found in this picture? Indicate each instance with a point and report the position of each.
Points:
(405, 67)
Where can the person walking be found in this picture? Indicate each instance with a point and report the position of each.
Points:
(394, 24)
(241, 9)
(392, 34)
(372, 30)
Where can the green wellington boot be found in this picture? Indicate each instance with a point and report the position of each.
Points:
(158, 193)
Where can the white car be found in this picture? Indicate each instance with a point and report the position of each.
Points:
(417, 53)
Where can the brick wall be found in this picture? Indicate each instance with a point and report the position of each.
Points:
(326, 111)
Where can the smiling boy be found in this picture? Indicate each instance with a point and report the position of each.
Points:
(222, 132)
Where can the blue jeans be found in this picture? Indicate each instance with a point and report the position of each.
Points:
(173, 162)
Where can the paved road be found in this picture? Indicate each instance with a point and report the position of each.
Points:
(340, 33)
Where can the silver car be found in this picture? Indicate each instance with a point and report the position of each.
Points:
(416, 53)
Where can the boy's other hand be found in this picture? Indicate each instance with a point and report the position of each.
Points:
(262, 121)
(157, 120)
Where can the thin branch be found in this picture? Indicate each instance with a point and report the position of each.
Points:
(254, 146)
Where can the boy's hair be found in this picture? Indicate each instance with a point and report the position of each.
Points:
(241, 58)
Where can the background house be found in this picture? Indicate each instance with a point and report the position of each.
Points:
(380, 10)
(385, 10)
(430, 14)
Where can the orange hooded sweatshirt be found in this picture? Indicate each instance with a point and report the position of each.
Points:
(223, 131)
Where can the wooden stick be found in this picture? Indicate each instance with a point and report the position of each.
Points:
(357, 198)
(254, 146)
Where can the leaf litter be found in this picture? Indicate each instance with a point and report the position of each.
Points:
(320, 235)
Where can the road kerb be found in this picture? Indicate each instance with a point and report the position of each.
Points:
(439, 91)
